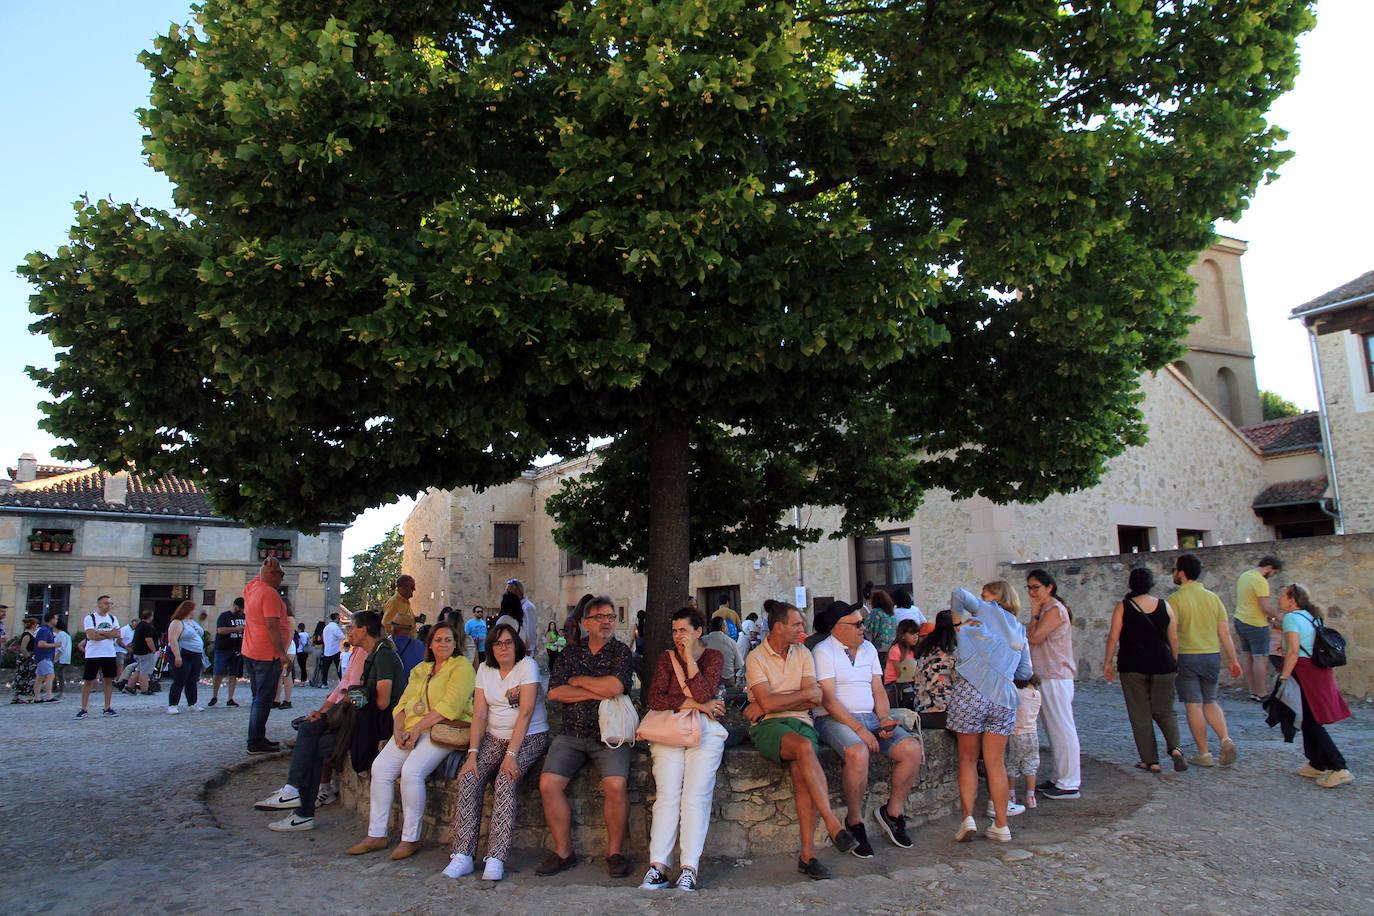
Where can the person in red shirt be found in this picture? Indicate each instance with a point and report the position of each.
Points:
(265, 635)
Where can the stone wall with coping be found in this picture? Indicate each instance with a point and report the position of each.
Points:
(752, 814)
(1337, 570)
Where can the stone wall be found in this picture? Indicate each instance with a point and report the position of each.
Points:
(753, 813)
(1350, 412)
(1338, 570)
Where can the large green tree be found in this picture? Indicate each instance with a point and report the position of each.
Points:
(375, 571)
(819, 251)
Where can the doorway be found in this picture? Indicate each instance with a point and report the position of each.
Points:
(162, 600)
(712, 598)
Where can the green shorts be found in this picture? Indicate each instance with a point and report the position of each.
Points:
(767, 735)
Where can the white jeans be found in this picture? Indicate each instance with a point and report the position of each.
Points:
(1056, 711)
(685, 780)
(412, 766)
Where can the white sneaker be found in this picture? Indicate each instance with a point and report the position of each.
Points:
(495, 870)
(967, 831)
(999, 834)
(197, 709)
(1013, 809)
(173, 710)
(459, 864)
(280, 801)
(292, 823)
(328, 796)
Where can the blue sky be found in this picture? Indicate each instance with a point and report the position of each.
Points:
(72, 81)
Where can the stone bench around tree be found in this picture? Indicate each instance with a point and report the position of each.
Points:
(752, 813)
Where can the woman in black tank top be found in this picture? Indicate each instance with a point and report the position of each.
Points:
(1142, 645)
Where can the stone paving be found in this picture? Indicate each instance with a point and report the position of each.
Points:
(149, 811)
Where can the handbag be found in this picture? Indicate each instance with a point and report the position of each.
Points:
(675, 728)
(618, 721)
(1328, 646)
(453, 737)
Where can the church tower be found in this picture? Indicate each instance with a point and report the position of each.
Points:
(1220, 361)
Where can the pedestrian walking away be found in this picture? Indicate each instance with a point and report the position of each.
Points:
(1203, 636)
(1142, 648)
(1322, 703)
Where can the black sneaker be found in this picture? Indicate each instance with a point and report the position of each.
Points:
(214, 701)
(109, 713)
(1050, 790)
(285, 704)
(82, 714)
(844, 841)
(263, 748)
(231, 703)
(894, 827)
(813, 869)
(861, 849)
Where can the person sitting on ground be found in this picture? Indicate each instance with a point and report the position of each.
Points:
(587, 674)
(993, 653)
(781, 679)
(857, 722)
(934, 682)
(880, 627)
(688, 677)
(439, 691)
(1142, 646)
(732, 663)
(1023, 748)
(1203, 633)
(1322, 703)
(510, 732)
(288, 797)
(315, 741)
(186, 640)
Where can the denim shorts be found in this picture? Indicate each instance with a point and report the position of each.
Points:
(45, 668)
(1198, 677)
(838, 736)
(1254, 640)
(227, 661)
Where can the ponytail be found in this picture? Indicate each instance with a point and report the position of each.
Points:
(1303, 599)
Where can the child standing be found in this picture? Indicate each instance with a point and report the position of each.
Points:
(1023, 747)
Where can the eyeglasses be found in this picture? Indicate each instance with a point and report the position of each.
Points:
(599, 617)
(1034, 588)
(504, 644)
(848, 623)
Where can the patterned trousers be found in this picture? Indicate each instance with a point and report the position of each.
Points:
(472, 786)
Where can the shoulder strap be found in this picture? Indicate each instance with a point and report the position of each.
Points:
(677, 669)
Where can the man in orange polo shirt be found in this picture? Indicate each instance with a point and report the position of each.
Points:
(265, 635)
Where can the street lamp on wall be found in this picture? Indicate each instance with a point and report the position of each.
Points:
(425, 545)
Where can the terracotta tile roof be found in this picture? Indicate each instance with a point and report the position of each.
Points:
(1363, 285)
(84, 489)
(49, 470)
(1286, 434)
(1291, 492)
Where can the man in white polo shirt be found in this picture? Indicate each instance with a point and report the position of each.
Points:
(102, 629)
(854, 720)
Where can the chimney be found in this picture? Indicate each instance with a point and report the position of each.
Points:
(117, 488)
(28, 468)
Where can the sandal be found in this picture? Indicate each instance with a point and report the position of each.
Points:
(1180, 764)
(1148, 767)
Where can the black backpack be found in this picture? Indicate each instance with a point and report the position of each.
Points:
(1328, 646)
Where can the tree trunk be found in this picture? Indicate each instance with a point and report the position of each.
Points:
(669, 538)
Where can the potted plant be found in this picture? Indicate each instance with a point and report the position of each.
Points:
(47, 542)
(157, 546)
(183, 545)
(67, 541)
(35, 541)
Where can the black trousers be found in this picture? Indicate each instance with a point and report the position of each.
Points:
(314, 745)
(1321, 752)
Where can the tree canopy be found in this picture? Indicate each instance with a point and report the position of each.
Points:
(1274, 406)
(375, 571)
(809, 251)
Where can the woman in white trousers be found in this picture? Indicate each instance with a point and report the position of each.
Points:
(439, 690)
(1051, 640)
(687, 677)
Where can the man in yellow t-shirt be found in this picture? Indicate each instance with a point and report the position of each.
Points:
(397, 617)
(1202, 637)
(1257, 617)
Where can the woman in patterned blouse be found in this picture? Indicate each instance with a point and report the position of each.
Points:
(935, 671)
(881, 625)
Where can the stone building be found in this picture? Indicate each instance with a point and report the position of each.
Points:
(1340, 325)
(69, 535)
(1200, 480)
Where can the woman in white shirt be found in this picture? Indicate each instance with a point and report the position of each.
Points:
(508, 714)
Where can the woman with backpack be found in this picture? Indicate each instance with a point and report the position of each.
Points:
(1322, 703)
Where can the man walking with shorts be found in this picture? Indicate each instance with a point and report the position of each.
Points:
(143, 648)
(1203, 634)
(102, 630)
(1257, 619)
(229, 627)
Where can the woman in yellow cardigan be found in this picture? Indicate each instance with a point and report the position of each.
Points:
(440, 690)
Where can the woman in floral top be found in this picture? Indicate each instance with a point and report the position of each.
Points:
(935, 671)
(881, 625)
